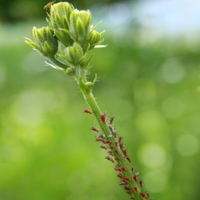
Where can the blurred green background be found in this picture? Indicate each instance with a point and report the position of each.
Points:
(149, 81)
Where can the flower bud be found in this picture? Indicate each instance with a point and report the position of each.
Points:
(59, 19)
(73, 54)
(80, 25)
(44, 41)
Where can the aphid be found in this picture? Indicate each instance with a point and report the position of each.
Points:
(102, 136)
(49, 5)
(103, 119)
(110, 159)
(120, 175)
(121, 146)
(147, 196)
(87, 111)
(117, 158)
(100, 140)
(103, 147)
(108, 142)
(124, 152)
(120, 138)
(127, 179)
(141, 183)
(128, 159)
(111, 120)
(129, 192)
(117, 169)
(94, 129)
(135, 188)
(122, 183)
(116, 144)
(135, 177)
(110, 127)
(111, 147)
(115, 134)
(116, 152)
(133, 198)
(142, 194)
(110, 153)
(132, 169)
(123, 169)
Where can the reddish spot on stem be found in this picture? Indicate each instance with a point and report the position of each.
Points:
(87, 111)
(135, 188)
(123, 169)
(127, 179)
(94, 129)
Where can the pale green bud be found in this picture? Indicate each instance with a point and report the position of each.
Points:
(44, 41)
(59, 19)
(74, 54)
(80, 25)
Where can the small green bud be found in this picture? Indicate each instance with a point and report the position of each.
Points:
(80, 25)
(74, 54)
(59, 19)
(44, 41)
(70, 71)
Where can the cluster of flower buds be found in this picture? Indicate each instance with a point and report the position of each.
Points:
(118, 155)
(72, 30)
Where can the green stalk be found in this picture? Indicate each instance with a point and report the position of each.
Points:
(89, 98)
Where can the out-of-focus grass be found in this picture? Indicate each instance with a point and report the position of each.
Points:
(47, 150)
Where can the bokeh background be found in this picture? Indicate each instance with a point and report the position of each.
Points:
(149, 81)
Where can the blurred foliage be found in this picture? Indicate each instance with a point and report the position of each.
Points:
(15, 10)
(47, 150)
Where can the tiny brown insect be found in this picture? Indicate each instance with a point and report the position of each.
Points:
(49, 5)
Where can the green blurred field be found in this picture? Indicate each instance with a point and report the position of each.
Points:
(47, 150)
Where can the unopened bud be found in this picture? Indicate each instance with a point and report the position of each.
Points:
(44, 41)
(59, 19)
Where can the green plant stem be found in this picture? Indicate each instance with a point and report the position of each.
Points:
(105, 129)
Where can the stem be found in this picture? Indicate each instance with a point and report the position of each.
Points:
(105, 129)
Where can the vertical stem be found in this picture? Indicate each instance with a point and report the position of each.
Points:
(105, 129)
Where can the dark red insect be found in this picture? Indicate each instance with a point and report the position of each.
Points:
(141, 183)
(128, 159)
(135, 188)
(127, 179)
(87, 111)
(129, 192)
(132, 169)
(117, 158)
(120, 175)
(122, 183)
(121, 146)
(142, 194)
(103, 118)
(115, 135)
(110, 153)
(126, 187)
(111, 120)
(135, 177)
(133, 198)
(120, 139)
(116, 144)
(123, 169)
(110, 159)
(108, 142)
(100, 140)
(94, 129)
(103, 147)
(111, 147)
(124, 152)
(102, 136)
(116, 152)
